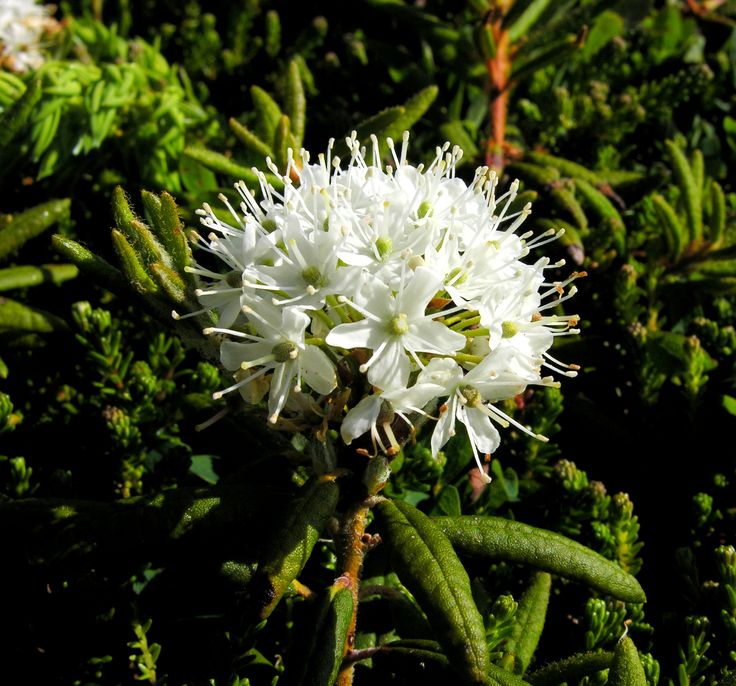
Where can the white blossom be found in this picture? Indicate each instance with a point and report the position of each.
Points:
(413, 282)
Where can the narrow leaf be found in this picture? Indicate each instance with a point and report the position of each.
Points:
(529, 621)
(224, 165)
(283, 140)
(131, 264)
(414, 110)
(31, 223)
(717, 214)
(675, 234)
(331, 637)
(250, 140)
(455, 132)
(566, 167)
(15, 316)
(566, 200)
(509, 540)
(167, 227)
(378, 124)
(292, 545)
(100, 270)
(534, 173)
(526, 20)
(29, 275)
(691, 194)
(170, 282)
(626, 668)
(296, 103)
(17, 115)
(428, 566)
(571, 669)
(268, 114)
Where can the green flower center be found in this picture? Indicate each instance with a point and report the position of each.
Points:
(284, 352)
(472, 395)
(234, 279)
(399, 325)
(423, 209)
(384, 245)
(313, 277)
(509, 329)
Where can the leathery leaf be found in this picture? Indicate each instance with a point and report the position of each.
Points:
(571, 669)
(31, 223)
(626, 668)
(427, 565)
(328, 639)
(529, 621)
(293, 542)
(505, 539)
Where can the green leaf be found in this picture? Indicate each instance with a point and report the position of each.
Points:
(429, 568)
(331, 636)
(717, 214)
(729, 404)
(414, 110)
(17, 115)
(571, 669)
(131, 264)
(31, 223)
(268, 114)
(505, 539)
(626, 668)
(224, 165)
(526, 20)
(170, 282)
(566, 167)
(292, 544)
(455, 132)
(529, 621)
(15, 316)
(691, 194)
(448, 501)
(607, 25)
(378, 124)
(100, 270)
(23, 277)
(250, 140)
(283, 140)
(296, 103)
(675, 234)
(167, 226)
(201, 466)
(603, 208)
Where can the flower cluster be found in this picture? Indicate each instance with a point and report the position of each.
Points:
(409, 274)
(22, 26)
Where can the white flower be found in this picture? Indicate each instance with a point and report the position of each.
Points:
(395, 324)
(280, 347)
(22, 25)
(409, 280)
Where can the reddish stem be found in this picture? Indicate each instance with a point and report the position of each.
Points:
(499, 73)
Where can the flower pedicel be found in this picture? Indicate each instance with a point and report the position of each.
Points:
(410, 272)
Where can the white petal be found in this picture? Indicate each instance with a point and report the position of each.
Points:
(293, 324)
(362, 334)
(432, 337)
(317, 370)
(391, 369)
(232, 354)
(445, 428)
(481, 430)
(281, 385)
(360, 418)
(418, 292)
